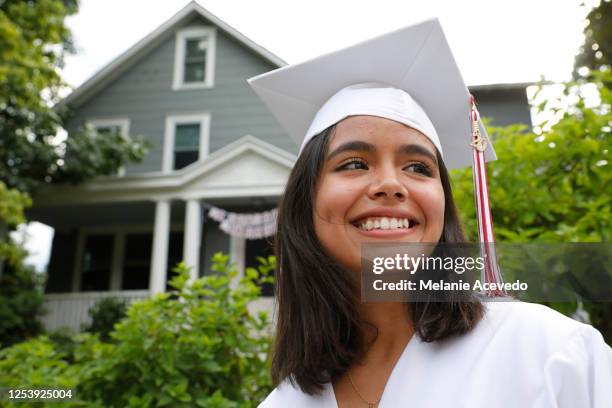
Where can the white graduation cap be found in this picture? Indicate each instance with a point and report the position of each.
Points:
(308, 97)
(410, 76)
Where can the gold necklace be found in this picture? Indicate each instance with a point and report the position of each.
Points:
(368, 403)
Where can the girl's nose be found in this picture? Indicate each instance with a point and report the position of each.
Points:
(388, 186)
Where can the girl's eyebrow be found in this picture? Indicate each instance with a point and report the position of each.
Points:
(353, 145)
(360, 146)
(417, 149)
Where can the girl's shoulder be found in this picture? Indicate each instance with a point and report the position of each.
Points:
(539, 324)
(568, 360)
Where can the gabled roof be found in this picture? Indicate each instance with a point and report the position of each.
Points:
(120, 64)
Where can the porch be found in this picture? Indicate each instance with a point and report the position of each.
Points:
(122, 237)
(71, 310)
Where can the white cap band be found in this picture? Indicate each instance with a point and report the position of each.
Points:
(373, 99)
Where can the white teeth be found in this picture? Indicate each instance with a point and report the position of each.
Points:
(385, 223)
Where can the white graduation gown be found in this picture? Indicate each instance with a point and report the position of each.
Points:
(519, 355)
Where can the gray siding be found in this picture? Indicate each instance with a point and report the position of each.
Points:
(504, 106)
(144, 95)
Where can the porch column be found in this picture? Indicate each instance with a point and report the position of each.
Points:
(192, 237)
(237, 256)
(159, 257)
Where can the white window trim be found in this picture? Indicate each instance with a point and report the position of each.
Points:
(179, 56)
(171, 122)
(122, 123)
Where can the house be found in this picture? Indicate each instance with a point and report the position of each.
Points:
(183, 87)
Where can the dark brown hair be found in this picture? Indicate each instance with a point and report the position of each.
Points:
(319, 331)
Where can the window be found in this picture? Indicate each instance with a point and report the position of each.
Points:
(119, 258)
(120, 125)
(194, 58)
(96, 267)
(186, 144)
(137, 261)
(107, 130)
(186, 140)
(113, 125)
(194, 69)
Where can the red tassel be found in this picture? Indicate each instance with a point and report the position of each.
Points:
(491, 272)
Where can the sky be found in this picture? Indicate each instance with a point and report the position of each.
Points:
(494, 41)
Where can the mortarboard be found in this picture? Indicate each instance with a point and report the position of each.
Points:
(408, 75)
(416, 59)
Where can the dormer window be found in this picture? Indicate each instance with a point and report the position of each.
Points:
(194, 58)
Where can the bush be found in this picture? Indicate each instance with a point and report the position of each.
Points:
(39, 363)
(197, 345)
(21, 303)
(104, 315)
(64, 342)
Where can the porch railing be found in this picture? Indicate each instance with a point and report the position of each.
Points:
(71, 309)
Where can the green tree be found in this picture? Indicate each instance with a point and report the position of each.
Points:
(553, 186)
(21, 299)
(12, 206)
(597, 48)
(33, 43)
